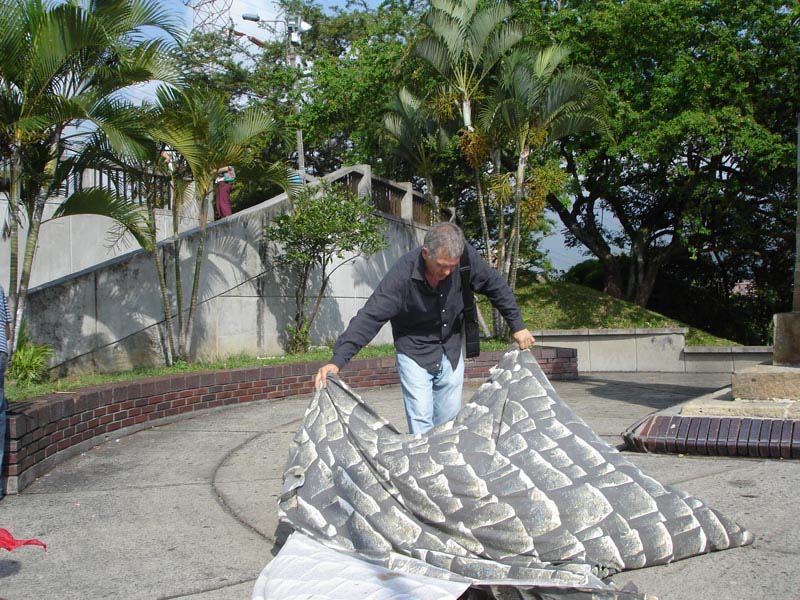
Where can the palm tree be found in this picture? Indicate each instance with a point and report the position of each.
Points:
(463, 41)
(419, 139)
(538, 100)
(61, 66)
(206, 134)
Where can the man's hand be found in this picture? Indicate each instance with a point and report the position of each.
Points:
(524, 338)
(322, 375)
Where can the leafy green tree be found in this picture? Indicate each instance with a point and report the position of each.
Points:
(354, 58)
(325, 224)
(703, 99)
(61, 67)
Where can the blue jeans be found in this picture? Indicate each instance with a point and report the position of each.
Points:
(3, 408)
(430, 400)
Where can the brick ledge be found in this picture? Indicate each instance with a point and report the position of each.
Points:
(47, 430)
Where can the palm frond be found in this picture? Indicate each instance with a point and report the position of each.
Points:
(251, 123)
(435, 52)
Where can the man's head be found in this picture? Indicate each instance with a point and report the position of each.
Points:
(441, 250)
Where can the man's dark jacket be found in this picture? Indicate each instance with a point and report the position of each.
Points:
(426, 322)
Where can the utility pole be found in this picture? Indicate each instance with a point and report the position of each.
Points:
(294, 26)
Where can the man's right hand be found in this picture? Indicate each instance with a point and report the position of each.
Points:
(320, 380)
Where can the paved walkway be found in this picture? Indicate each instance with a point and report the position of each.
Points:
(187, 510)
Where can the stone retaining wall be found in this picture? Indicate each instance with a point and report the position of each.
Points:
(45, 431)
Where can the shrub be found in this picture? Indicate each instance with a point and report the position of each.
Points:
(29, 364)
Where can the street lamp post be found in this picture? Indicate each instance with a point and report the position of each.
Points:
(294, 26)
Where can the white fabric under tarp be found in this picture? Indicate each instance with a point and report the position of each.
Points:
(305, 568)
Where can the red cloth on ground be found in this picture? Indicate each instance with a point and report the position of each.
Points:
(223, 199)
(7, 541)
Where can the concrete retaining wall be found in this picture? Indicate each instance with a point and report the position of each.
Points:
(110, 317)
(70, 244)
(45, 431)
(655, 350)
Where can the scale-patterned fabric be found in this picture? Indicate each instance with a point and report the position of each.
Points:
(516, 491)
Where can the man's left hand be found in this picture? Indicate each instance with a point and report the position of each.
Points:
(524, 338)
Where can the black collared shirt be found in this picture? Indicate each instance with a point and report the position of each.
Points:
(426, 322)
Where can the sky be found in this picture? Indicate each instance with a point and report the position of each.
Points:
(561, 256)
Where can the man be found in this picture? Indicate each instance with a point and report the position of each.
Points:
(421, 296)
(5, 334)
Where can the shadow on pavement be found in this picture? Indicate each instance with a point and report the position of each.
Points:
(656, 395)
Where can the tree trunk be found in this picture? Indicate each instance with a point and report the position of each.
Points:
(466, 112)
(318, 299)
(646, 284)
(519, 190)
(198, 263)
(498, 323)
(482, 213)
(176, 248)
(482, 322)
(162, 284)
(433, 199)
(27, 266)
(300, 297)
(14, 196)
(613, 276)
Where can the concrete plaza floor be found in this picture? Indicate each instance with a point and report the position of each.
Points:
(188, 509)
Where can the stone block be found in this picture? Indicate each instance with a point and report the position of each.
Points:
(787, 339)
(710, 359)
(767, 382)
(610, 352)
(659, 350)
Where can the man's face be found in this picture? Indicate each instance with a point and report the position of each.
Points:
(440, 267)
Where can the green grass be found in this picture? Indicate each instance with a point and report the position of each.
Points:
(544, 306)
(569, 306)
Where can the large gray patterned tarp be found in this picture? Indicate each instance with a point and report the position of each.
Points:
(517, 493)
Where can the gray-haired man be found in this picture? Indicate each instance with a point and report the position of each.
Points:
(421, 296)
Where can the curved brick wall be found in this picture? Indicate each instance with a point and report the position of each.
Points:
(47, 430)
